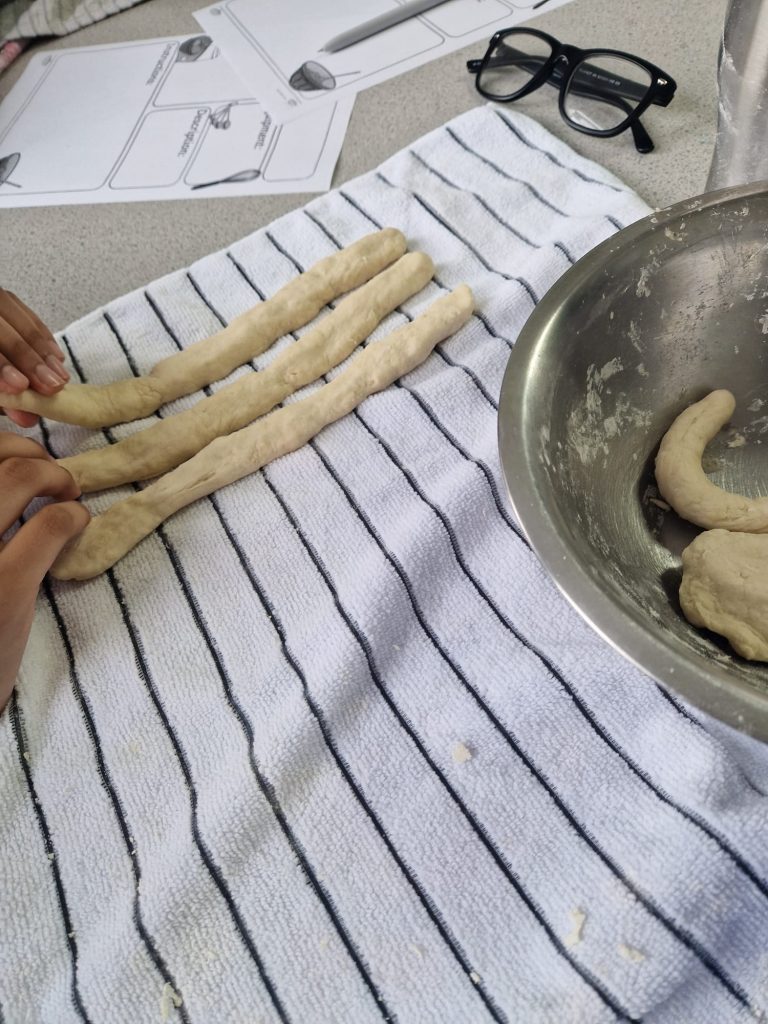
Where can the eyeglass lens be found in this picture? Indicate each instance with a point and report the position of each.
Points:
(512, 64)
(604, 90)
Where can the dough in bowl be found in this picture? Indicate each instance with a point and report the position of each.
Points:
(725, 589)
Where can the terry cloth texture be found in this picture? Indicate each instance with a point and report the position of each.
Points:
(29, 19)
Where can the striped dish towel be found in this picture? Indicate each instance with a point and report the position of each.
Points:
(329, 746)
(31, 19)
(24, 21)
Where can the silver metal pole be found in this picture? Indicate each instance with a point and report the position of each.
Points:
(741, 144)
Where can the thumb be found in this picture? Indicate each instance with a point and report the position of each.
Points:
(31, 552)
(20, 418)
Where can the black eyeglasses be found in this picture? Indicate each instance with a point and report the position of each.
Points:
(602, 92)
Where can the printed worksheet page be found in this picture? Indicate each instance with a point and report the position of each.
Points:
(154, 119)
(277, 48)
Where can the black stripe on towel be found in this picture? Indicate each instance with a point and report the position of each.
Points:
(104, 775)
(553, 159)
(451, 133)
(439, 348)
(478, 198)
(181, 756)
(421, 401)
(205, 854)
(426, 900)
(366, 647)
(18, 734)
(363, 641)
(460, 238)
(423, 897)
(204, 298)
(266, 788)
(487, 207)
(367, 652)
(429, 411)
(476, 315)
(684, 713)
(510, 177)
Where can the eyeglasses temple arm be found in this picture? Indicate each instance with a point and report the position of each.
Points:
(623, 88)
(643, 141)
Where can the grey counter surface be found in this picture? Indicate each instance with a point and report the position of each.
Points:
(65, 261)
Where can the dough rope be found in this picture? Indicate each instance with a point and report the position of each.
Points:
(206, 361)
(684, 484)
(110, 536)
(173, 440)
(725, 589)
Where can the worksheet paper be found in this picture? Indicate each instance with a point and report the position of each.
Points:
(154, 119)
(276, 47)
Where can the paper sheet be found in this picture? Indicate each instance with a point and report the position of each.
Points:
(154, 119)
(276, 46)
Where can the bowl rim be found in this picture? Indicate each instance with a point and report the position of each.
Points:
(699, 680)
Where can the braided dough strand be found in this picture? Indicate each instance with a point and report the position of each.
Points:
(110, 536)
(206, 361)
(170, 441)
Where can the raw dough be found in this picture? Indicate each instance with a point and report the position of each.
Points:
(110, 536)
(725, 589)
(170, 441)
(684, 483)
(208, 360)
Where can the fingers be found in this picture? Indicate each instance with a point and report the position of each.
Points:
(24, 561)
(29, 356)
(28, 471)
(11, 445)
(21, 418)
(29, 554)
(29, 325)
(36, 328)
(22, 479)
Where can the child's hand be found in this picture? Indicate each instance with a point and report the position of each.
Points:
(29, 356)
(27, 472)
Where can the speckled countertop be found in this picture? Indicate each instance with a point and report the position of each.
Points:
(64, 261)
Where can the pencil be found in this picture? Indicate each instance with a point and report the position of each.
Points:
(378, 24)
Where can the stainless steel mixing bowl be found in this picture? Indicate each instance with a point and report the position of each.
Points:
(651, 320)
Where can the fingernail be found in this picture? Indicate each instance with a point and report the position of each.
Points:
(45, 375)
(14, 378)
(55, 365)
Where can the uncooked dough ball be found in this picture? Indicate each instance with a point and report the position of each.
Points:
(725, 589)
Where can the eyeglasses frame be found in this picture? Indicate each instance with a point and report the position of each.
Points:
(660, 91)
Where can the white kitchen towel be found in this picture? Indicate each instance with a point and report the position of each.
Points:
(35, 19)
(23, 21)
(329, 746)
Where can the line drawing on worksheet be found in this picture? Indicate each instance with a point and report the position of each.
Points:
(162, 118)
(277, 48)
